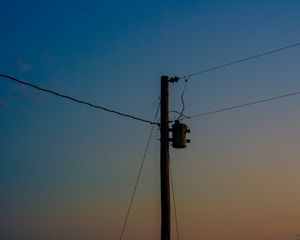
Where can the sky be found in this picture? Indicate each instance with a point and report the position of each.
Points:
(67, 171)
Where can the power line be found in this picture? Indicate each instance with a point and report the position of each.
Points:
(242, 105)
(138, 177)
(174, 202)
(240, 61)
(182, 100)
(77, 100)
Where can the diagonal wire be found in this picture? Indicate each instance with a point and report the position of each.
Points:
(174, 202)
(242, 105)
(240, 60)
(76, 100)
(138, 176)
(182, 99)
(173, 196)
(178, 113)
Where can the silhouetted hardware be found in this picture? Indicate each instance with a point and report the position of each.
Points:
(179, 131)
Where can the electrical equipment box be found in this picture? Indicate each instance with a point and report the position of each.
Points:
(179, 131)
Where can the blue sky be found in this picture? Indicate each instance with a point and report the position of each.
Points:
(67, 171)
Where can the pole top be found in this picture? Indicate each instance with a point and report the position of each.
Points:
(164, 78)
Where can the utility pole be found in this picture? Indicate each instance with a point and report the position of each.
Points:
(164, 160)
(179, 140)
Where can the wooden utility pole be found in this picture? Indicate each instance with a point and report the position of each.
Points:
(164, 160)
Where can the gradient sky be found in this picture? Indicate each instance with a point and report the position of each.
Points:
(67, 171)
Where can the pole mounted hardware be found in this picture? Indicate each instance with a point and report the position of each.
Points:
(173, 79)
(179, 132)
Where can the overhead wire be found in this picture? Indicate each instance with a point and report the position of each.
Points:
(242, 105)
(178, 113)
(240, 60)
(77, 100)
(156, 102)
(182, 99)
(138, 176)
(173, 197)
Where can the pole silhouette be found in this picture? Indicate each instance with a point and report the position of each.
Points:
(164, 160)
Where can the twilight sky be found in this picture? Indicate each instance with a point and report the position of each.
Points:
(67, 171)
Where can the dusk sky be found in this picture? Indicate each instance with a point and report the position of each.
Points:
(67, 171)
